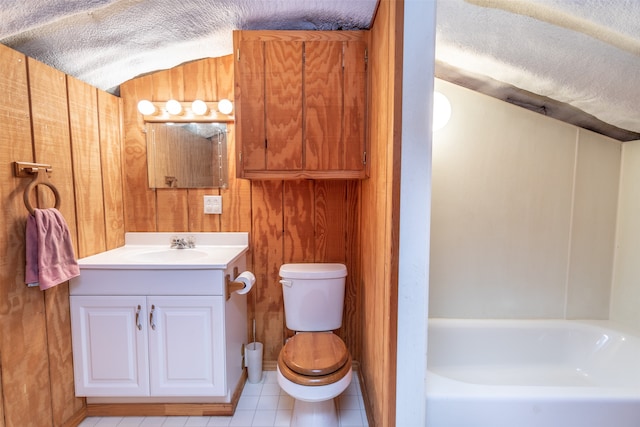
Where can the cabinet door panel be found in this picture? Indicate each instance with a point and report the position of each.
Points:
(110, 351)
(323, 91)
(186, 346)
(355, 104)
(250, 94)
(283, 104)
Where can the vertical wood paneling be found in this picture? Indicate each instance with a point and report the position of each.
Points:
(267, 243)
(111, 155)
(36, 374)
(199, 80)
(236, 199)
(51, 137)
(51, 142)
(379, 220)
(63, 401)
(330, 221)
(23, 351)
(168, 84)
(140, 201)
(351, 330)
(173, 210)
(224, 77)
(85, 148)
(299, 221)
(283, 109)
(323, 89)
(2, 423)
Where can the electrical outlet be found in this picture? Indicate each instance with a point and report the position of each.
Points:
(213, 204)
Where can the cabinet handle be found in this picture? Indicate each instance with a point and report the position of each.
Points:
(151, 321)
(138, 324)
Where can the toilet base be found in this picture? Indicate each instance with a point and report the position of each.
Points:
(314, 414)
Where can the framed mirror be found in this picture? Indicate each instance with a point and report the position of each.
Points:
(187, 155)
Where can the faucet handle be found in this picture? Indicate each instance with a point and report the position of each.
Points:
(191, 241)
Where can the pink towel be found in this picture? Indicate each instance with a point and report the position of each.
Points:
(50, 258)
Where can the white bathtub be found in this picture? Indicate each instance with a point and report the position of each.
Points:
(532, 373)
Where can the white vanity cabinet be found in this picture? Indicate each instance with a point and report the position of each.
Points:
(152, 324)
(149, 346)
(186, 346)
(110, 351)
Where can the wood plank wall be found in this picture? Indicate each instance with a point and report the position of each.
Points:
(288, 221)
(48, 117)
(380, 222)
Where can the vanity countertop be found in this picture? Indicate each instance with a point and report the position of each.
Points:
(153, 251)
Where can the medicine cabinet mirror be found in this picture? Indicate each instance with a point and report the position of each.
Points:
(187, 155)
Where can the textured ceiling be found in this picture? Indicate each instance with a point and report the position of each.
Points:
(575, 60)
(107, 42)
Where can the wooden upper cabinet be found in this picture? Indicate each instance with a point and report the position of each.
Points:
(301, 100)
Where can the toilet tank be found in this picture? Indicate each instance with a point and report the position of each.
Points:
(313, 295)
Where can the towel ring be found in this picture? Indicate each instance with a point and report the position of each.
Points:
(41, 178)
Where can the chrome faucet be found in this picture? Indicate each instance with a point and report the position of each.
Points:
(183, 243)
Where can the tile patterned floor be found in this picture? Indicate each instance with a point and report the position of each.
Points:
(263, 404)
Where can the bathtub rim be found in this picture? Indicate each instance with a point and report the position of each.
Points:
(442, 387)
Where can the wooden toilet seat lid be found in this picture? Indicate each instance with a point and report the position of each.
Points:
(315, 353)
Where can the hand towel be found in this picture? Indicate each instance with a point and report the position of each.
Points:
(50, 259)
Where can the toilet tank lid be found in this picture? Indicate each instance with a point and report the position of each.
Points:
(313, 271)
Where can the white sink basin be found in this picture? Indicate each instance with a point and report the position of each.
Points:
(170, 255)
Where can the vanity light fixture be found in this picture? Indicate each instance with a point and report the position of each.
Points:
(186, 111)
(174, 107)
(441, 111)
(225, 106)
(146, 108)
(199, 107)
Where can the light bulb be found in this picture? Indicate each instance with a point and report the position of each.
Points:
(441, 111)
(173, 107)
(199, 107)
(225, 106)
(146, 108)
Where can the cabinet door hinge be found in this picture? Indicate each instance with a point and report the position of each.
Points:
(366, 58)
(364, 157)
(238, 55)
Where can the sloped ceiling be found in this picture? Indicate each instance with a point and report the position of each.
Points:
(575, 60)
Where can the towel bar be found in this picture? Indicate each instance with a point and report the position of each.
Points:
(39, 173)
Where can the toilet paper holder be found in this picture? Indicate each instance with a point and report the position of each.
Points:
(232, 285)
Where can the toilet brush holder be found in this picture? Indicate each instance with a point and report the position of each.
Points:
(253, 358)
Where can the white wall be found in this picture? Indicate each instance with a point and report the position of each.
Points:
(415, 197)
(523, 214)
(625, 300)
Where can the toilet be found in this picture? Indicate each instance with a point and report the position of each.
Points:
(314, 366)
